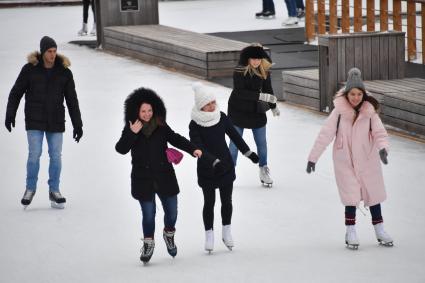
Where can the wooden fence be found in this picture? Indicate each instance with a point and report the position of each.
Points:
(332, 24)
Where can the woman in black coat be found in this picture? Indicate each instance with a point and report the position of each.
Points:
(251, 98)
(146, 134)
(215, 169)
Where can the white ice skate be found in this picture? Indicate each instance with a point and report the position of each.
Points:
(382, 236)
(227, 237)
(265, 178)
(93, 30)
(351, 238)
(147, 250)
(83, 30)
(57, 200)
(209, 240)
(290, 21)
(27, 198)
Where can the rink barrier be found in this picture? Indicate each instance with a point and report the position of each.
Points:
(197, 54)
(402, 100)
(302, 87)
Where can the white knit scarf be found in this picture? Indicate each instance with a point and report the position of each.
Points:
(205, 119)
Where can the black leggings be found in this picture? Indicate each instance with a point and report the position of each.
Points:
(86, 4)
(226, 206)
(375, 211)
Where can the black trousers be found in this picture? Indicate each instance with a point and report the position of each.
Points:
(86, 4)
(226, 206)
(375, 211)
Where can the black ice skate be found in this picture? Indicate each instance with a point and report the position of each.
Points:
(169, 241)
(266, 15)
(57, 200)
(147, 250)
(265, 178)
(27, 198)
(259, 14)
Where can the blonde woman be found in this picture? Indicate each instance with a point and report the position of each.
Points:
(251, 98)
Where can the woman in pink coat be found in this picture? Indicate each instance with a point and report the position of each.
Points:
(360, 140)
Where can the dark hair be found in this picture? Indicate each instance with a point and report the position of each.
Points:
(372, 100)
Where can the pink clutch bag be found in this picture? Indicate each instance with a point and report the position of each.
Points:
(173, 155)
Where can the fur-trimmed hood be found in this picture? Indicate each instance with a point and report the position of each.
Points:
(35, 57)
(137, 98)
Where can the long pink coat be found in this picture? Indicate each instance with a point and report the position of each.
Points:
(357, 165)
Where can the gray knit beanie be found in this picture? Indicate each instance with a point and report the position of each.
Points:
(354, 80)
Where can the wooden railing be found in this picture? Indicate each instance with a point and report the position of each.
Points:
(331, 26)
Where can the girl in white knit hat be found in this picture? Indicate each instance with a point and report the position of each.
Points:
(215, 168)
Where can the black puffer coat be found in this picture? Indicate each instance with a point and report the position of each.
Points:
(211, 140)
(45, 91)
(151, 172)
(243, 101)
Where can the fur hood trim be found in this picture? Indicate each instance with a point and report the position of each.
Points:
(137, 98)
(35, 57)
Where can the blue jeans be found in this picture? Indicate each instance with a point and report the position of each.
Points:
(291, 6)
(35, 146)
(169, 205)
(260, 141)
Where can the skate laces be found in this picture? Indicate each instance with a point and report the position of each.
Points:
(147, 248)
(169, 239)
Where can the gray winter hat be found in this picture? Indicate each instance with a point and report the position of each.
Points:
(354, 80)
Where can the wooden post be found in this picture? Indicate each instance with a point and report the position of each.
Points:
(397, 15)
(411, 30)
(309, 20)
(321, 20)
(345, 25)
(333, 25)
(125, 13)
(383, 20)
(370, 6)
(423, 32)
(358, 16)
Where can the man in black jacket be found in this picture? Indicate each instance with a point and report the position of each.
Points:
(46, 82)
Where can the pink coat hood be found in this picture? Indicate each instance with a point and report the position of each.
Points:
(357, 165)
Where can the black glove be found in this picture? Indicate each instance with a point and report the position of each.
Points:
(9, 123)
(220, 168)
(383, 154)
(311, 166)
(77, 133)
(254, 157)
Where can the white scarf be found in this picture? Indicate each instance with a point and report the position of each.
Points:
(206, 119)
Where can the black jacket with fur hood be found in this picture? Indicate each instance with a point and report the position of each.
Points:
(243, 101)
(151, 172)
(45, 91)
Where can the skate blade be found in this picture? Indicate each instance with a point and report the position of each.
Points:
(385, 244)
(267, 185)
(352, 247)
(25, 207)
(57, 205)
(209, 252)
